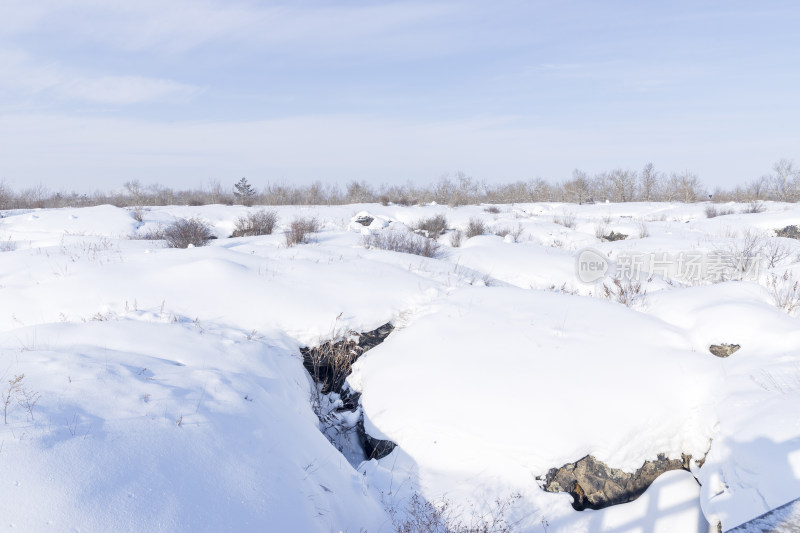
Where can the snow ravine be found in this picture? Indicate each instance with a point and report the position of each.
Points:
(164, 389)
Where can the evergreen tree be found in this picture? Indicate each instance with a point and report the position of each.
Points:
(244, 192)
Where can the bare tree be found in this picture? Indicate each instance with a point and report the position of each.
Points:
(622, 185)
(783, 184)
(578, 189)
(650, 183)
(757, 188)
(684, 187)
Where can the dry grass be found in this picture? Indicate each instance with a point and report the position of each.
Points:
(565, 219)
(712, 211)
(625, 292)
(785, 291)
(403, 242)
(431, 227)
(300, 231)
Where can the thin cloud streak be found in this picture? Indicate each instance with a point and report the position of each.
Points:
(19, 74)
(341, 148)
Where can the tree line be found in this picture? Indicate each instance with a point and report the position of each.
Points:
(647, 184)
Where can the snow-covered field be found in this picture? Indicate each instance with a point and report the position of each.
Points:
(164, 389)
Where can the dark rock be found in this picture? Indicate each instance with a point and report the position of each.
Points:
(614, 236)
(330, 363)
(723, 350)
(364, 220)
(594, 485)
(374, 448)
(791, 232)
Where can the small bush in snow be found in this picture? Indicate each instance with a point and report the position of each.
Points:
(643, 230)
(17, 394)
(418, 515)
(743, 255)
(601, 230)
(404, 242)
(625, 292)
(261, 222)
(186, 231)
(137, 212)
(756, 206)
(153, 234)
(456, 238)
(493, 209)
(8, 246)
(712, 211)
(566, 219)
(775, 252)
(300, 230)
(785, 291)
(475, 227)
(431, 227)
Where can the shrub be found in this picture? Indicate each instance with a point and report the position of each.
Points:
(643, 230)
(565, 219)
(756, 206)
(741, 258)
(300, 230)
(261, 222)
(419, 515)
(493, 209)
(187, 231)
(404, 242)
(625, 292)
(153, 234)
(456, 238)
(600, 230)
(785, 291)
(712, 211)
(431, 227)
(475, 227)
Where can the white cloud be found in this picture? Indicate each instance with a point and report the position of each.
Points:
(19, 74)
(181, 25)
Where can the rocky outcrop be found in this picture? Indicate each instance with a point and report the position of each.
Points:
(594, 485)
(723, 350)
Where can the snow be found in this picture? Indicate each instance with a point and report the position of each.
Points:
(172, 396)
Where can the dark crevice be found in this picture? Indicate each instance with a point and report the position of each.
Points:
(329, 364)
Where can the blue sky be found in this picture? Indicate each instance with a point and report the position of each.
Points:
(94, 93)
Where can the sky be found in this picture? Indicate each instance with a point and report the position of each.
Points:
(183, 93)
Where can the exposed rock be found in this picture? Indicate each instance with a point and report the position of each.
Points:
(593, 485)
(365, 219)
(614, 236)
(374, 448)
(723, 350)
(330, 363)
(791, 232)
